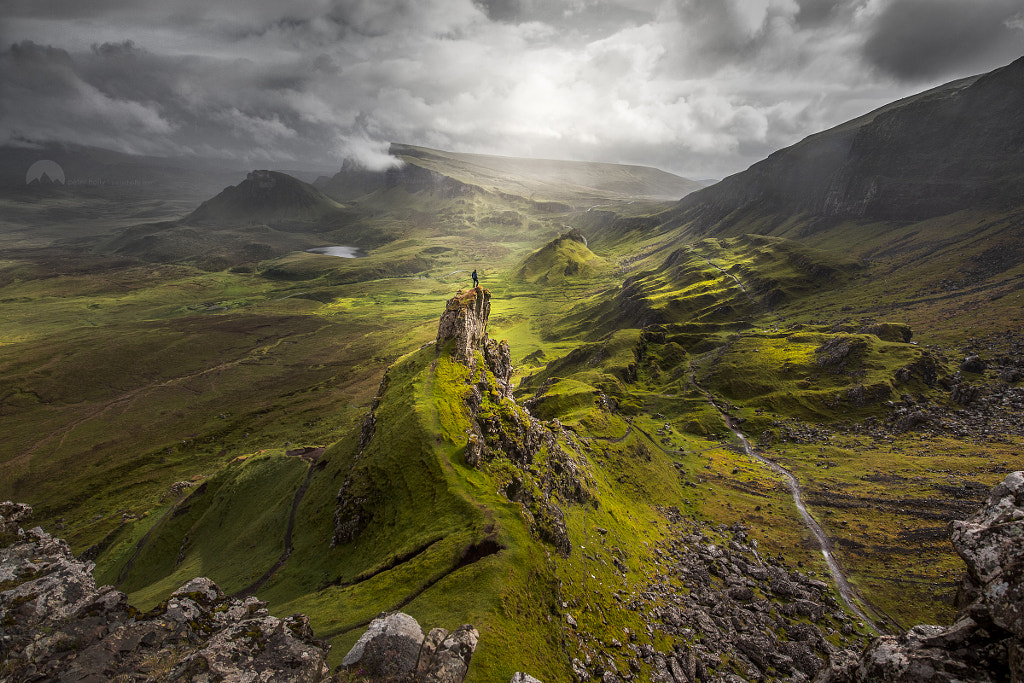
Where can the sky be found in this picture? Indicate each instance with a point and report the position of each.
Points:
(702, 88)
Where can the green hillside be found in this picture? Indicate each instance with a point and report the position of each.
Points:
(566, 257)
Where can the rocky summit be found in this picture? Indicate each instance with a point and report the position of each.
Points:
(464, 321)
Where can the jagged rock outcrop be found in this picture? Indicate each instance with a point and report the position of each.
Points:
(394, 648)
(56, 624)
(464, 322)
(501, 428)
(986, 642)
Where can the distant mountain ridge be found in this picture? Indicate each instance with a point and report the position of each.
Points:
(575, 182)
(956, 146)
(93, 167)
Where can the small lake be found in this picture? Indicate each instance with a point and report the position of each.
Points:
(343, 252)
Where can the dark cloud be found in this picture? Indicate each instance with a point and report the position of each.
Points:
(584, 17)
(501, 10)
(700, 87)
(922, 39)
(818, 12)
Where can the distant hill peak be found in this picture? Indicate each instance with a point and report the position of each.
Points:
(563, 258)
(266, 197)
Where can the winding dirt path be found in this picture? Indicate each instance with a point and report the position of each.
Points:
(311, 457)
(846, 591)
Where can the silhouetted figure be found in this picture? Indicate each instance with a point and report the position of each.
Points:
(476, 280)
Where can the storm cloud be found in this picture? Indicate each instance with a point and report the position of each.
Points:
(921, 39)
(698, 87)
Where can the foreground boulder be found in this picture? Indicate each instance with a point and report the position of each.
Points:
(986, 642)
(395, 649)
(55, 624)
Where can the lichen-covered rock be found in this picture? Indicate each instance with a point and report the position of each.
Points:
(394, 648)
(450, 661)
(57, 625)
(520, 677)
(986, 642)
(262, 648)
(434, 638)
(200, 589)
(389, 648)
(11, 516)
(991, 542)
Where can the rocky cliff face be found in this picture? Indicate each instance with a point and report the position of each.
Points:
(951, 148)
(352, 182)
(417, 179)
(550, 473)
(986, 642)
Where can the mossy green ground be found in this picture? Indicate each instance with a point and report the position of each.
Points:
(121, 378)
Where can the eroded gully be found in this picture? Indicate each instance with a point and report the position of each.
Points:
(846, 591)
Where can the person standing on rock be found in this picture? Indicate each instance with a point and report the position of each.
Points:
(476, 280)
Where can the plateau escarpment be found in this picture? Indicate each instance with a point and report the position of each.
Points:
(549, 185)
(952, 148)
